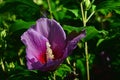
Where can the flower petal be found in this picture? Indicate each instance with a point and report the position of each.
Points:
(51, 65)
(35, 46)
(53, 31)
(72, 43)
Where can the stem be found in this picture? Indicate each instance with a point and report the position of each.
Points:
(90, 16)
(54, 76)
(49, 6)
(68, 61)
(19, 55)
(2, 65)
(84, 16)
(87, 61)
(74, 69)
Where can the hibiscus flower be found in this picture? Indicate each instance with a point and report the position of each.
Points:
(47, 45)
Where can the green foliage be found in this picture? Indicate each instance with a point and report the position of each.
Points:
(80, 65)
(26, 10)
(69, 29)
(74, 11)
(102, 35)
(91, 32)
(107, 4)
(20, 24)
(63, 71)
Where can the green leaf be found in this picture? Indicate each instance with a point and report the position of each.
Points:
(38, 2)
(74, 11)
(117, 11)
(3, 34)
(59, 13)
(69, 29)
(91, 32)
(26, 2)
(108, 5)
(20, 24)
(24, 9)
(63, 70)
(99, 41)
(93, 8)
(81, 67)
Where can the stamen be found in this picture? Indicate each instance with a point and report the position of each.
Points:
(49, 53)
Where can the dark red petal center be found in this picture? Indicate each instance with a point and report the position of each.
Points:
(42, 58)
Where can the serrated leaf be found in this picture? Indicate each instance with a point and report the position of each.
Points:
(20, 24)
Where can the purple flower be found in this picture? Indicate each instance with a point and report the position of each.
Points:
(47, 45)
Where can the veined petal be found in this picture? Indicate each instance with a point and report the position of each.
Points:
(53, 31)
(57, 39)
(35, 46)
(46, 26)
(42, 26)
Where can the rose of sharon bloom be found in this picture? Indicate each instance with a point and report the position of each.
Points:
(47, 45)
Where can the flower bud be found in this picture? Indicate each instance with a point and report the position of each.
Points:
(87, 4)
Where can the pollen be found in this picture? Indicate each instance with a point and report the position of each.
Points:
(49, 53)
